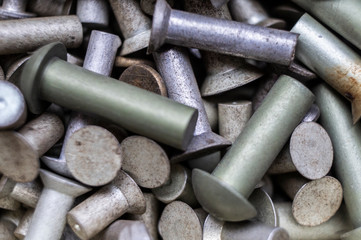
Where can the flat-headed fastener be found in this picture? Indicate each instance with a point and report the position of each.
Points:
(21, 150)
(174, 66)
(145, 161)
(309, 152)
(50, 7)
(23, 226)
(252, 12)
(220, 35)
(14, 9)
(148, 6)
(13, 108)
(266, 212)
(224, 193)
(134, 25)
(179, 187)
(124, 229)
(56, 199)
(93, 13)
(22, 35)
(128, 62)
(215, 229)
(336, 118)
(332, 229)
(133, 108)
(110, 202)
(331, 59)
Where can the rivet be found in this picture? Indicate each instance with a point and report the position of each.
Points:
(2, 75)
(206, 163)
(224, 193)
(218, 3)
(21, 150)
(23, 227)
(50, 8)
(107, 204)
(220, 35)
(14, 9)
(12, 217)
(9, 203)
(266, 212)
(133, 108)
(296, 71)
(93, 13)
(6, 230)
(352, 235)
(14, 70)
(289, 12)
(124, 229)
(147, 6)
(127, 62)
(212, 113)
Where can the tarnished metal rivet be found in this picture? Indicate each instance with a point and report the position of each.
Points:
(124, 229)
(93, 13)
(56, 199)
(133, 108)
(21, 150)
(128, 62)
(220, 35)
(23, 227)
(50, 7)
(224, 193)
(13, 111)
(14, 9)
(107, 204)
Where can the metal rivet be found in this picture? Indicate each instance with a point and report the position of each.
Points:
(50, 8)
(23, 227)
(127, 62)
(147, 6)
(93, 14)
(13, 72)
(2, 75)
(218, 3)
(9, 203)
(206, 163)
(266, 212)
(124, 229)
(352, 235)
(14, 9)
(212, 113)
(6, 230)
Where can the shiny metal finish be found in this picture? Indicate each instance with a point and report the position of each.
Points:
(14, 9)
(219, 35)
(93, 13)
(22, 35)
(132, 108)
(224, 193)
(125, 229)
(174, 66)
(330, 59)
(313, 114)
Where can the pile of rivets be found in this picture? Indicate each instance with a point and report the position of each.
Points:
(192, 119)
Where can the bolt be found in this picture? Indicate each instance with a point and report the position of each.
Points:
(23, 227)
(174, 66)
(22, 35)
(127, 62)
(93, 13)
(224, 193)
(147, 6)
(21, 150)
(56, 199)
(124, 229)
(134, 25)
(337, 120)
(50, 8)
(266, 212)
(220, 35)
(331, 59)
(106, 205)
(172, 123)
(179, 187)
(13, 108)
(14, 9)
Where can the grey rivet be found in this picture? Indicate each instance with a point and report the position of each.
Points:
(74, 59)
(313, 114)
(13, 111)
(124, 229)
(134, 25)
(21, 150)
(266, 212)
(50, 7)
(13, 217)
(9, 203)
(22, 35)
(174, 66)
(219, 35)
(127, 62)
(106, 205)
(56, 199)
(14, 9)
(13, 72)
(147, 6)
(224, 193)
(264, 87)
(218, 3)
(23, 227)
(352, 235)
(288, 11)
(206, 163)
(93, 13)
(212, 113)
(296, 71)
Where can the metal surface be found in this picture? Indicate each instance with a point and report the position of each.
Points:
(134, 25)
(127, 62)
(20, 151)
(174, 66)
(56, 199)
(50, 7)
(206, 163)
(224, 193)
(264, 87)
(9, 203)
(2, 75)
(179, 221)
(145, 77)
(352, 235)
(313, 114)
(212, 113)
(106, 205)
(147, 6)
(6, 230)
(218, 3)
(93, 13)
(23, 227)
(14, 9)
(220, 35)
(22, 35)
(330, 59)
(125, 229)
(13, 72)
(13, 110)
(133, 108)
(145, 161)
(266, 212)
(336, 119)
(296, 71)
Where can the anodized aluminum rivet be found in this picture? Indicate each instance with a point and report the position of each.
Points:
(220, 35)
(125, 229)
(93, 13)
(14, 9)
(13, 111)
(21, 150)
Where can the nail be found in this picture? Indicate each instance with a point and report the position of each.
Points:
(134, 25)
(224, 193)
(172, 123)
(266, 212)
(174, 66)
(55, 201)
(337, 120)
(125, 229)
(179, 221)
(147, 6)
(13, 112)
(106, 205)
(14, 9)
(179, 187)
(127, 62)
(220, 35)
(21, 150)
(233, 117)
(206, 163)
(252, 12)
(309, 152)
(145, 77)
(93, 14)
(50, 8)
(339, 65)
(23, 227)
(22, 35)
